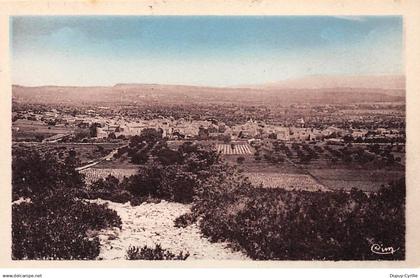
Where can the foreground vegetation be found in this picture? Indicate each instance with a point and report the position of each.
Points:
(49, 220)
(275, 224)
(157, 253)
(266, 223)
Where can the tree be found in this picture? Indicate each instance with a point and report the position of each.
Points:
(93, 129)
(150, 135)
(81, 133)
(226, 139)
(240, 159)
(39, 137)
(140, 157)
(112, 135)
(168, 157)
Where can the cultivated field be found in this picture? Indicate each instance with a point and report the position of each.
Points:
(94, 174)
(84, 152)
(286, 181)
(26, 130)
(366, 180)
(235, 149)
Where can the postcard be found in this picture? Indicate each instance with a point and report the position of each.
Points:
(249, 133)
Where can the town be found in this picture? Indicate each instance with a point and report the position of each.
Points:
(111, 127)
(348, 137)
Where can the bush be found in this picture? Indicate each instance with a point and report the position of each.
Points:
(178, 185)
(55, 222)
(55, 226)
(145, 183)
(139, 157)
(136, 201)
(33, 174)
(120, 196)
(172, 183)
(168, 157)
(110, 189)
(185, 220)
(157, 253)
(275, 224)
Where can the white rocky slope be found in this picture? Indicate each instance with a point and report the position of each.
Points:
(150, 224)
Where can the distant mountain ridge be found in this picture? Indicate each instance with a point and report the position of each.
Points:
(388, 82)
(311, 89)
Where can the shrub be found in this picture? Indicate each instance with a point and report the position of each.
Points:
(55, 226)
(120, 196)
(139, 157)
(172, 183)
(275, 224)
(185, 220)
(55, 223)
(168, 157)
(178, 185)
(157, 253)
(136, 201)
(33, 173)
(110, 189)
(145, 183)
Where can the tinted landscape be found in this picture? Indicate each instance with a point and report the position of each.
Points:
(305, 168)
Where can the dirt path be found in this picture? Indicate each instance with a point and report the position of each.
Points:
(106, 157)
(150, 224)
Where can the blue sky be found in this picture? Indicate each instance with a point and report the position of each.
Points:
(200, 50)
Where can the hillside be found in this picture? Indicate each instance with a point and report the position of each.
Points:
(313, 90)
(390, 84)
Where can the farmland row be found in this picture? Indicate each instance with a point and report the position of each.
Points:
(239, 149)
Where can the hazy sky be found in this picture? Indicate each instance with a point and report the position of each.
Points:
(210, 50)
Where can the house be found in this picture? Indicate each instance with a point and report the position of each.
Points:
(359, 133)
(333, 130)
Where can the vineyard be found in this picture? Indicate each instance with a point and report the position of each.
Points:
(94, 174)
(234, 149)
(285, 181)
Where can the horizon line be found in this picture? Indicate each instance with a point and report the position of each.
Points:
(238, 86)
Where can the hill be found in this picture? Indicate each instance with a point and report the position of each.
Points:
(311, 91)
(389, 84)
